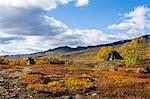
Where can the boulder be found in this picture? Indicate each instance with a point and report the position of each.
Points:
(144, 70)
(113, 69)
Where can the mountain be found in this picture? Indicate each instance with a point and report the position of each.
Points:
(67, 52)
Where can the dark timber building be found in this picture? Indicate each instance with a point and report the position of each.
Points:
(113, 56)
(30, 61)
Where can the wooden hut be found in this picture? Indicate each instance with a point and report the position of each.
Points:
(113, 55)
(30, 61)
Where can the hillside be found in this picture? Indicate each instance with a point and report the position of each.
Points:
(85, 74)
(80, 53)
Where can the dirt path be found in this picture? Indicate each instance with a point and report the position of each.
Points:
(8, 87)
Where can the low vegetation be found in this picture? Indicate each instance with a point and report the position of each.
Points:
(89, 76)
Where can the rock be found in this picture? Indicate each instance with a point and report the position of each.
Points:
(87, 94)
(139, 70)
(27, 70)
(129, 70)
(5, 93)
(78, 96)
(94, 94)
(144, 70)
(113, 69)
(12, 95)
(66, 97)
(147, 69)
(8, 88)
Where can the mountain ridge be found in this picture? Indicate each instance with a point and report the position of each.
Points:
(65, 49)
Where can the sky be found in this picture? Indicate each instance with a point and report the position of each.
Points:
(28, 26)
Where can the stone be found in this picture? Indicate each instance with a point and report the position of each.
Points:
(66, 97)
(113, 69)
(78, 96)
(94, 94)
(147, 69)
(143, 70)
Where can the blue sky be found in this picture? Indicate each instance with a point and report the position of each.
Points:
(28, 26)
(98, 14)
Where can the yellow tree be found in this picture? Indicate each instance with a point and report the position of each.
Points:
(4, 60)
(103, 51)
(23, 61)
(12, 62)
(38, 61)
(133, 50)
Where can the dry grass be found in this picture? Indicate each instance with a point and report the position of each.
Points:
(63, 80)
(29, 79)
(122, 84)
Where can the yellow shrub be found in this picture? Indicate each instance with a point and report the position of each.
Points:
(39, 62)
(4, 60)
(77, 82)
(68, 62)
(54, 84)
(103, 51)
(12, 62)
(23, 61)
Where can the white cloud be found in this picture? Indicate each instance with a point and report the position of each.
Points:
(135, 21)
(41, 4)
(80, 3)
(25, 28)
(65, 37)
(28, 16)
(21, 45)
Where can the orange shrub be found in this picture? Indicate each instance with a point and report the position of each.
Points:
(45, 88)
(38, 87)
(32, 86)
(29, 79)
